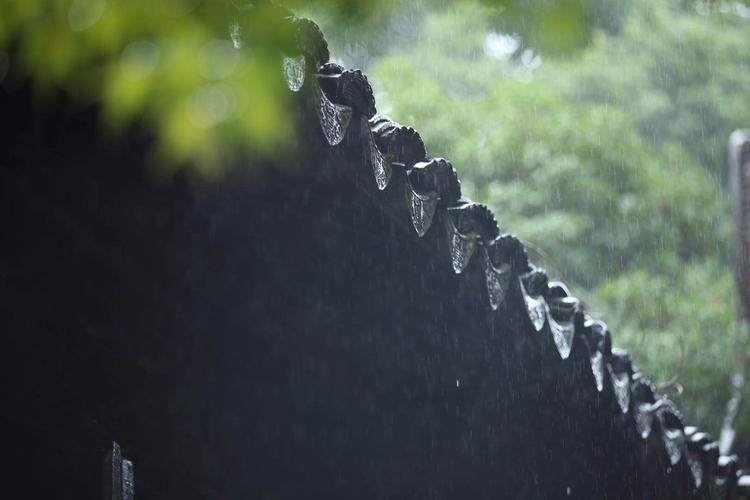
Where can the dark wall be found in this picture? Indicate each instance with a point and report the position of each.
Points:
(281, 336)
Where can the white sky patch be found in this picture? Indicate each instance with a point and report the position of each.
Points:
(531, 60)
(742, 10)
(501, 46)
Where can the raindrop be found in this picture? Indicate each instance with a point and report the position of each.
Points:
(536, 308)
(498, 281)
(562, 334)
(621, 387)
(422, 207)
(294, 71)
(381, 167)
(235, 32)
(83, 14)
(597, 369)
(334, 118)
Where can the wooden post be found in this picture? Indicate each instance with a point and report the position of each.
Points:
(739, 178)
(739, 181)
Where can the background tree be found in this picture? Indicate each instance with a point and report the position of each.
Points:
(610, 162)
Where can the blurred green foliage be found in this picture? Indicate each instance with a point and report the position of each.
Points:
(171, 65)
(609, 162)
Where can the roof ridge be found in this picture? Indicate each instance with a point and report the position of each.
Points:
(433, 186)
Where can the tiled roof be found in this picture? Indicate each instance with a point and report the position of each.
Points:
(343, 100)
